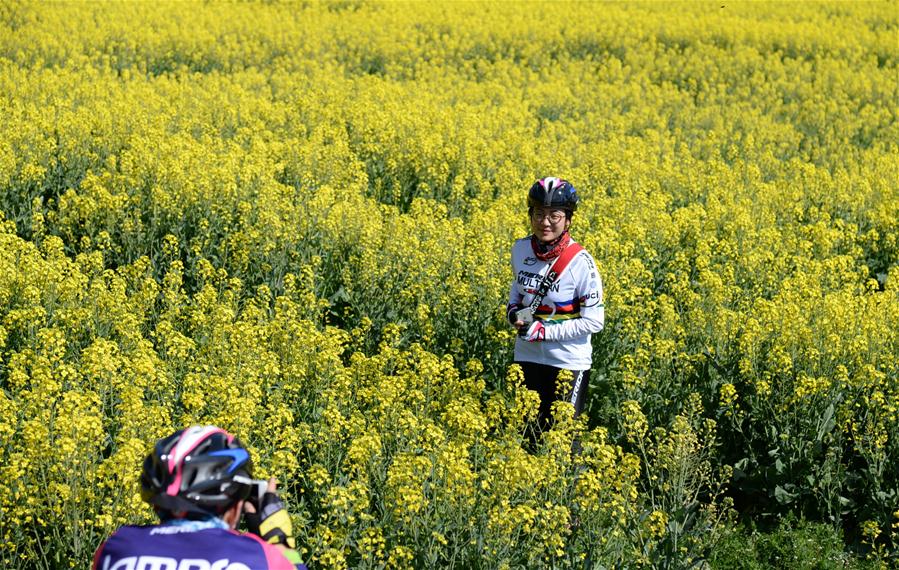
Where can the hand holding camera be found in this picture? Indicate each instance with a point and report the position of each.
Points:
(265, 513)
(258, 488)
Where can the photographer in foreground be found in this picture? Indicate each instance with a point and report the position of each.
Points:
(199, 481)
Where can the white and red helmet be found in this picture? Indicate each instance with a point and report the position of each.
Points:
(193, 471)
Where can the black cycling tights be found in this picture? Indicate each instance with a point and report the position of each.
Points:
(542, 379)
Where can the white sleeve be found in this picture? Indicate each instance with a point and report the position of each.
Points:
(588, 290)
(515, 296)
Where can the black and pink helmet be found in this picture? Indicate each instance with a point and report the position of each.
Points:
(193, 471)
(552, 192)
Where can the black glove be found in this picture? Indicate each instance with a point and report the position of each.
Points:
(511, 309)
(271, 521)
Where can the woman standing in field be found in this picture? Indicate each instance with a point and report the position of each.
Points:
(555, 301)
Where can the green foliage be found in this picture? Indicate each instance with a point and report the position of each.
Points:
(791, 545)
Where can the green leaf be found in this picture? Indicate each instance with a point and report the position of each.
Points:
(783, 496)
(826, 424)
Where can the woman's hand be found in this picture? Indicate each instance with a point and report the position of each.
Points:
(536, 332)
(271, 521)
(512, 315)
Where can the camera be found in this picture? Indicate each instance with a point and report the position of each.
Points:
(258, 488)
(525, 315)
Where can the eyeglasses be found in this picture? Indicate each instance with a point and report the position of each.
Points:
(554, 216)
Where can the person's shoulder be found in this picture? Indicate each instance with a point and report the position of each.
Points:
(521, 246)
(153, 531)
(521, 242)
(583, 256)
(133, 529)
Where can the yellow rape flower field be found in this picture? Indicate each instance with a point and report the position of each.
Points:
(293, 220)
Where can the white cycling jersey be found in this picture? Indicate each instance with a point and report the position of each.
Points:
(571, 311)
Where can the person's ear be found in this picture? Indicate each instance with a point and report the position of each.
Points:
(233, 514)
